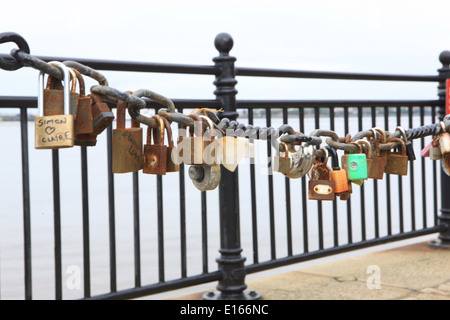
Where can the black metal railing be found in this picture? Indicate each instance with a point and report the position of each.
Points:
(250, 215)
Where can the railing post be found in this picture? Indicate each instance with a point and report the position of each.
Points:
(444, 218)
(231, 263)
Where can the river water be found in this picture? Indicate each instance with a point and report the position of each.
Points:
(40, 164)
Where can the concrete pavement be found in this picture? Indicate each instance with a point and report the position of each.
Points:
(411, 272)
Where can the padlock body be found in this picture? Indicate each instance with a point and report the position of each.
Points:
(173, 161)
(340, 180)
(435, 152)
(282, 164)
(54, 102)
(155, 159)
(321, 190)
(85, 140)
(376, 170)
(102, 117)
(356, 165)
(54, 132)
(127, 155)
(83, 122)
(190, 150)
(396, 164)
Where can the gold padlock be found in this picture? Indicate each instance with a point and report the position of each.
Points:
(127, 155)
(190, 147)
(397, 163)
(282, 163)
(54, 131)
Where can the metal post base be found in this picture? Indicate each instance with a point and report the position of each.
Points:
(439, 244)
(245, 295)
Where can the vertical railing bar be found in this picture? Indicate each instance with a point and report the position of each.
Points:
(435, 186)
(271, 200)
(253, 198)
(301, 116)
(424, 175)
(182, 191)
(388, 180)
(411, 172)
(375, 183)
(159, 196)
(111, 217)
(362, 188)
(136, 233)
(349, 200)
(57, 224)
(400, 182)
(26, 203)
(85, 213)
(319, 202)
(204, 232)
(335, 213)
(288, 200)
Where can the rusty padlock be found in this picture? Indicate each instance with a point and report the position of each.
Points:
(321, 186)
(83, 120)
(54, 96)
(155, 152)
(378, 161)
(173, 162)
(397, 163)
(127, 153)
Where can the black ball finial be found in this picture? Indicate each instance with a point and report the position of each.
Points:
(444, 58)
(223, 43)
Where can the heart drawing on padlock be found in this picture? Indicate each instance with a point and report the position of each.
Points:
(49, 130)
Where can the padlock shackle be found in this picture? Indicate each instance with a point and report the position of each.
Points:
(168, 129)
(66, 89)
(80, 81)
(211, 126)
(401, 143)
(121, 114)
(158, 137)
(334, 157)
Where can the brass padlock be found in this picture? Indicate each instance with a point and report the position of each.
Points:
(54, 131)
(282, 163)
(155, 154)
(376, 170)
(127, 153)
(435, 150)
(321, 187)
(397, 163)
(83, 119)
(173, 162)
(190, 148)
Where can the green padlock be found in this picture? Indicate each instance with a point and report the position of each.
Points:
(356, 165)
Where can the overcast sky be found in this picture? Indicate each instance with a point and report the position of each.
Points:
(400, 37)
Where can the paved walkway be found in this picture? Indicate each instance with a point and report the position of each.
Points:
(412, 272)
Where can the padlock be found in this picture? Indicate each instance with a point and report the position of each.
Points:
(54, 131)
(425, 152)
(378, 162)
(83, 120)
(127, 153)
(338, 175)
(302, 160)
(190, 148)
(397, 163)
(173, 162)
(101, 115)
(205, 178)
(367, 149)
(155, 153)
(282, 163)
(408, 144)
(444, 143)
(435, 150)
(210, 143)
(355, 164)
(54, 96)
(320, 186)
